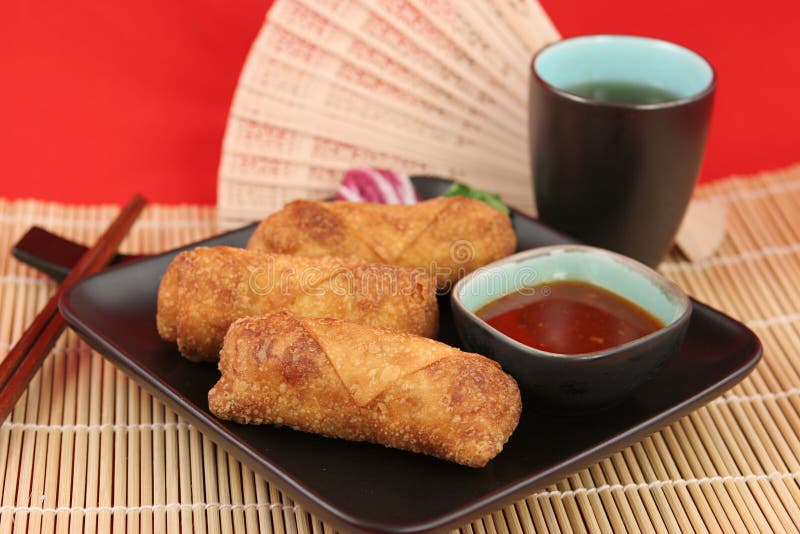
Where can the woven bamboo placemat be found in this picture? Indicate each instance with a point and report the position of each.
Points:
(87, 450)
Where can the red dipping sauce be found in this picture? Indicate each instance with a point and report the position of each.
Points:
(569, 318)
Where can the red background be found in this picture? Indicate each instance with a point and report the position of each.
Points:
(100, 99)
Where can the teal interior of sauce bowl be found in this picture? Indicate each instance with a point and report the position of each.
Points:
(618, 275)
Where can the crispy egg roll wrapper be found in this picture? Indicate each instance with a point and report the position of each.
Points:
(205, 289)
(345, 380)
(448, 237)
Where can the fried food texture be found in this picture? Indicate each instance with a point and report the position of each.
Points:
(447, 237)
(206, 289)
(364, 383)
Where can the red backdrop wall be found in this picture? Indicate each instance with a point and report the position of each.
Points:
(101, 99)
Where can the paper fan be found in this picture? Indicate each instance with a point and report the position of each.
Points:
(418, 86)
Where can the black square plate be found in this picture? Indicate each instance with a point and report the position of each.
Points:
(359, 486)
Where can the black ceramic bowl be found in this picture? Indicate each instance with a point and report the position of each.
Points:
(573, 383)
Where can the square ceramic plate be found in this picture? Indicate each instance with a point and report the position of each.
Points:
(360, 486)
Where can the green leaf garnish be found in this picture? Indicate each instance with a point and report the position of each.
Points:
(493, 199)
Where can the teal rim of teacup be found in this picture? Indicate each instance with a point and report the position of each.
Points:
(629, 58)
(576, 263)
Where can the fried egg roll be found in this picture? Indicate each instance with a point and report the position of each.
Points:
(205, 289)
(363, 383)
(448, 237)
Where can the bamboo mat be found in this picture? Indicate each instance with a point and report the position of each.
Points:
(86, 450)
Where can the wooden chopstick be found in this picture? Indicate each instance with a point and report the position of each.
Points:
(27, 355)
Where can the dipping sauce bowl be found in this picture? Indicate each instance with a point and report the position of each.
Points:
(573, 383)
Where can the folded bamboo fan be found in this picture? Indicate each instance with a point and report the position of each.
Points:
(418, 86)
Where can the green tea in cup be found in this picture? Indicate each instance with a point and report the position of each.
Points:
(622, 91)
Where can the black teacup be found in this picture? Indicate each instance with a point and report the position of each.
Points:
(618, 126)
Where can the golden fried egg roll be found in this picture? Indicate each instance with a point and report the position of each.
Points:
(205, 289)
(448, 237)
(362, 383)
